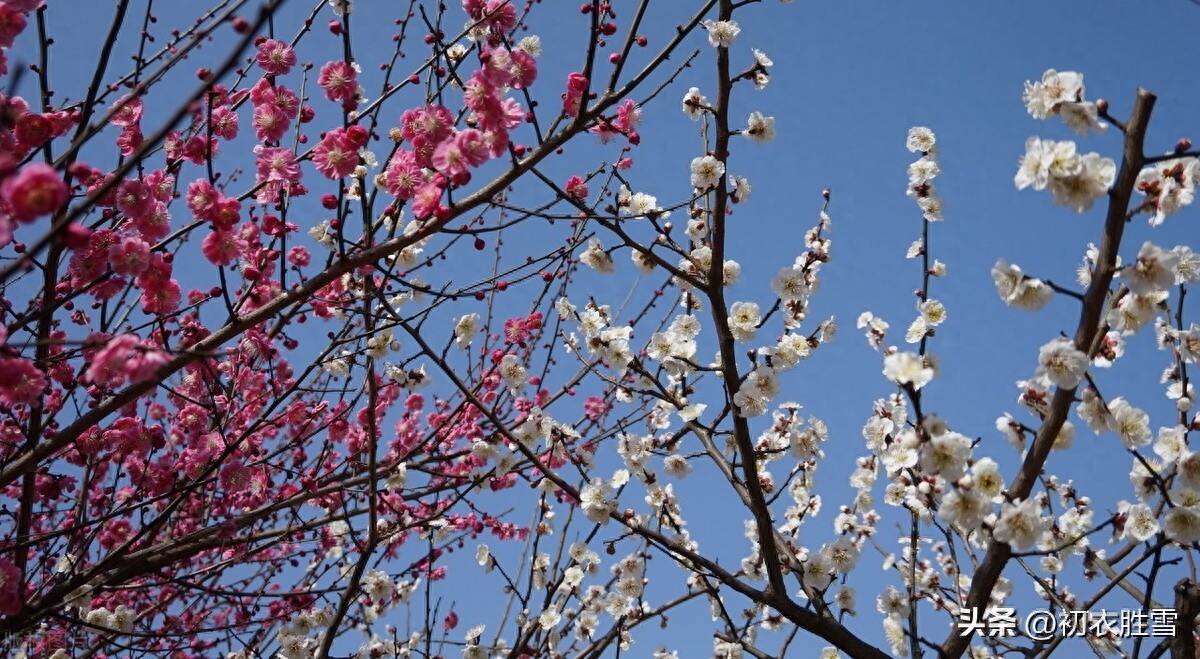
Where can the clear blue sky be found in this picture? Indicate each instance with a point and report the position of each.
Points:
(849, 79)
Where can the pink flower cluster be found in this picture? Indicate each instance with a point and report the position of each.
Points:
(498, 17)
(105, 257)
(437, 145)
(274, 108)
(122, 359)
(36, 189)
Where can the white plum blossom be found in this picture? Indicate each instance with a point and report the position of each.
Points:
(465, 329)
(876, 328)
(1112, 347)
(964, 508)
(761, 385)
(1131, 424)
(1080, 192)
(644, 262)
(1020, 524)
(1140, 523)
(933, 312)
(1187, 343)
(731, 272)
(1043, 98)
(1170, 185)
(721, 34)
(893, 631)
(986, 478)
(514, 373)
(596, 258)
(1171, 444)
(931, 208)
(923, 170)
(790, 285)
(907, 368)
(1045, 160)
(1018, 290)
(892, 602)
(1065, 437)
(1182, 524)
(1133, 312)
(1082, 117)
(1188, 471)
(593, 498)
(1187, 268)
(549, 618)
(640, 204)
(946, 455)
(744, 318)
(677, 466)
(1076, 181)
(842, 553)
(694, 103)
(1061, 93)
(759, 128)
(1060, 362)
(741, 189)
(788, 352)
(819, 570)
(1152, 271)
(706, 172)
(916, 331)
(762, 63)
(920, 140)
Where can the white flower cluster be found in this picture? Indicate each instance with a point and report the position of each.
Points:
(297, 640)
(760, 73)
(697, 264)
(1169, 186)
(1019, 290)
(796, 284)
(411, 379)
(640, 204)
(1075, 181)
(876, 328)
(594, 499)
(1061, 94)
(931, 313)
(609, 344)
(922, 172)
(675, 347)
(120, 618)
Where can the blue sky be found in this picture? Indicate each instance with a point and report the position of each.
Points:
(848, 82)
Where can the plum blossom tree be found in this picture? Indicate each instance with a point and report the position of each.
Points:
(276, 354)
